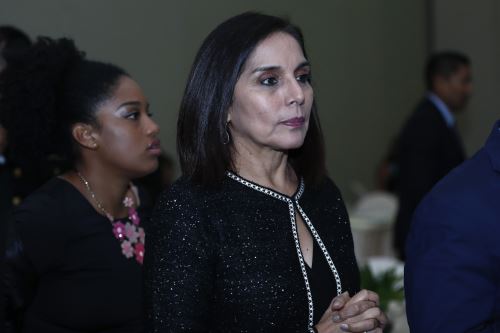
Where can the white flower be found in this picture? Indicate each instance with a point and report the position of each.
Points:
(131, 232)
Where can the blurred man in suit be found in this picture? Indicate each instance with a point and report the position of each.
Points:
(13, 42)
(429, 146)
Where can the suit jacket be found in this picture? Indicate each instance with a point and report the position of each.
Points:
(427, 149)
(452, 273)
(5, 209)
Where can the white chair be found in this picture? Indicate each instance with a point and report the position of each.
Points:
(372, 218)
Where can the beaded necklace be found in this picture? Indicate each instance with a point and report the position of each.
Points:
(129, 233)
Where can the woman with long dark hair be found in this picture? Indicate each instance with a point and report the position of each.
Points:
(254, 237)
(74, 263)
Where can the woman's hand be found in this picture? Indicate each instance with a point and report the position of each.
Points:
(361, 313)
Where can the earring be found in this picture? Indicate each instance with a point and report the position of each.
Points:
(226, 138)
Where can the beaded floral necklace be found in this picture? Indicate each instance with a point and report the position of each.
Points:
(129, 233)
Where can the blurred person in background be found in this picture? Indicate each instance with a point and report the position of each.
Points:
(429, 145)
(13, 42)
(156, 182)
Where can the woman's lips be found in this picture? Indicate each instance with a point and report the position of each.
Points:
(155, 147)
(294, 122)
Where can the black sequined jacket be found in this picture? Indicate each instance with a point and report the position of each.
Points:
(228, 259)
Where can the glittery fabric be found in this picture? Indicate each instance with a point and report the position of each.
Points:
(224, 260)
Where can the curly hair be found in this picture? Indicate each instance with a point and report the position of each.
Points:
(46, 91)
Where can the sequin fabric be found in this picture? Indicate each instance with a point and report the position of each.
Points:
(225, 260)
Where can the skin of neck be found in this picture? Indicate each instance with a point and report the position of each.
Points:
(109, 186)
(264, 166)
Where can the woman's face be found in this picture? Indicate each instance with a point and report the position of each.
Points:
(126, 136)
(273, 97)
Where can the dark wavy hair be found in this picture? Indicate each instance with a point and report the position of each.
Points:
(208, 95)
(46, 91)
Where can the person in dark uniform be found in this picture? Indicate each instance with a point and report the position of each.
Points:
(429, 145)
(254, 237)
(74, 258)
(5, 195)
(13, 42)
(21, 174)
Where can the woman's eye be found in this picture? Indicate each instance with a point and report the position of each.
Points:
(271, 81)
(304, 78)
(150, 114)
(132, 116)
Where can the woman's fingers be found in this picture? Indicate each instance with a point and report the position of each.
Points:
(370, 319)
(357, 314)
(339, 301)
(377, 330)
(352, 310)
(365, 295)
(361, 326)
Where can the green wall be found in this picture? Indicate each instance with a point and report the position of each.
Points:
(366, 55)
(473, 27)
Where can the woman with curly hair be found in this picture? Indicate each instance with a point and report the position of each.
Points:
(74, 263)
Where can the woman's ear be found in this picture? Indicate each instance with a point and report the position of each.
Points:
(85, 135)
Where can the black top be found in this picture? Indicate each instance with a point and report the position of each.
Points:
(322, 285)
(65, 268)
(226, 260)
(427, 149)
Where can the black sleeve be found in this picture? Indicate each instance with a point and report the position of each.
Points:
(35, 243)
(418, 162)
(19, 280)
(179, 266)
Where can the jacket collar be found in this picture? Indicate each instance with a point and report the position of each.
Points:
(443, 109)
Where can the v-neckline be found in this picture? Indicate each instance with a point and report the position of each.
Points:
(269, 191)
